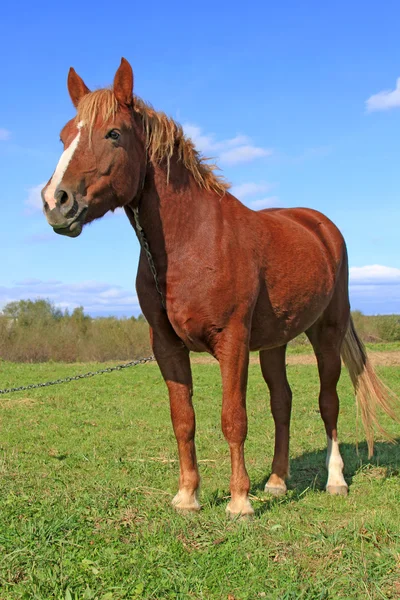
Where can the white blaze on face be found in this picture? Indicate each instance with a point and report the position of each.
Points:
(61, 168)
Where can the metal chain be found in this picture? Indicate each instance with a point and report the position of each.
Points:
(145, 245)
(32, 386)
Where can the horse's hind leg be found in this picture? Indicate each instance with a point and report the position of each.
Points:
(326, 336)
(274, 372)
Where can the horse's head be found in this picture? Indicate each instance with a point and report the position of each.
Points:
(103, 163)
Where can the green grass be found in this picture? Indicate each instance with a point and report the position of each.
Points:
(88, 469)
(383, 346)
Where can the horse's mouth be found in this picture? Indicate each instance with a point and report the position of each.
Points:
(74, 228)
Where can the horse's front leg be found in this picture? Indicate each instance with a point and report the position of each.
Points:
(173, 359)
(232, 353)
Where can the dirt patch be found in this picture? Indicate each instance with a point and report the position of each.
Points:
(27, 402)
(387, 359)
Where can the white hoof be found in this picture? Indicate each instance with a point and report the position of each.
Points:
(186, 501)
(337, 490)
(240, 507)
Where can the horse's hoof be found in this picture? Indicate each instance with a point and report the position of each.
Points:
(337, 490)
(240, 509)
(186, 502)
(275, 490)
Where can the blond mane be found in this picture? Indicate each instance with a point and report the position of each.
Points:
(163, 136)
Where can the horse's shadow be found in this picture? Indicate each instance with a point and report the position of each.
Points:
(308, 472)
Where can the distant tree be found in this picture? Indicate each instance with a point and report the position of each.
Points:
(78, 314)
(79, 319)
(28, 312)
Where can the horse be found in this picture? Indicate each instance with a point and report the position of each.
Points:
(214, 276)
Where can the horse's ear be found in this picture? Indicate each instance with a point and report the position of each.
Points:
(76, 87)
(123, 83)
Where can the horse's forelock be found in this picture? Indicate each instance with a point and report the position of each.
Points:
(100, 104)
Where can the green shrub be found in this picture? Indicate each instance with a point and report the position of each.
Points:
(37, 331)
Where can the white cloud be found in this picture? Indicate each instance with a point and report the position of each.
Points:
(4, 135)
(239, 140)
(232, 151)
(204, 143)
(243, 190)
(375, 275)
(33, 201)
(96, 297)
(384, 100)
(243, 154)
(269, 202)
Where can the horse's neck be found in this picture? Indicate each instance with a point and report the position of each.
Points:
(172, 209)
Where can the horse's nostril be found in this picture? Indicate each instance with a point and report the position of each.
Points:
(62, 197)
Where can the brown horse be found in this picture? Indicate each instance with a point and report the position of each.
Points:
(214, 276)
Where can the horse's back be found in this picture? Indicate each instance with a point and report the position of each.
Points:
(301, 225)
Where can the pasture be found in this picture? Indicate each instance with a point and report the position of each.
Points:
(87, 473)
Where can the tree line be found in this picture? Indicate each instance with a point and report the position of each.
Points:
(39, 331)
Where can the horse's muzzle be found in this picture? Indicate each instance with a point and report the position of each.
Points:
(70, 227)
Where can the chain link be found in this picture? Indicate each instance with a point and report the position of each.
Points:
(145, 245)
(32, 386)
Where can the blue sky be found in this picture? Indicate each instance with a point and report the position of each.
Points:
(300, 103)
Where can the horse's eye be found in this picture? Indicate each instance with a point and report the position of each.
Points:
(114, 134)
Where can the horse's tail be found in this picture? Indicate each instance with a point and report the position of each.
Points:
(370, 391)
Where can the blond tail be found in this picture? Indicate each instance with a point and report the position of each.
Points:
(370, 391)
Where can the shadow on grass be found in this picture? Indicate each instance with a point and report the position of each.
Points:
(308, 473)
(308, 470)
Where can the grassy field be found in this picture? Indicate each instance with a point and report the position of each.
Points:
(88, 469)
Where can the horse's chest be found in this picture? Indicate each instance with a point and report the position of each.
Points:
(202, 298)
(199, 320)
